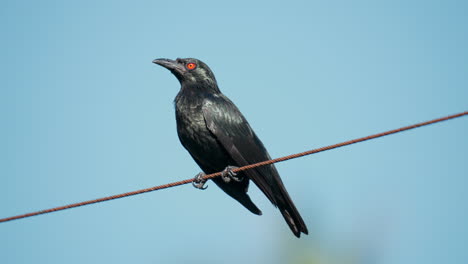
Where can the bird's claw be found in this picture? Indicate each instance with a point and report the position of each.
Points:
(198, 182)
(227, 174)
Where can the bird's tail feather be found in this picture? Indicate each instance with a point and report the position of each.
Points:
(292, 216)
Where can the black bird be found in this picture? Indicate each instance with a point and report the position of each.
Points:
(218, 137)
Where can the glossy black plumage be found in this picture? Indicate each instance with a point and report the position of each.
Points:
(217, 135)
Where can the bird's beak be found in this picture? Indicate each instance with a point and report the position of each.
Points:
(171, 65)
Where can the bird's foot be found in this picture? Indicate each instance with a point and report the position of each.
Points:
(227, 174)
(198, 182)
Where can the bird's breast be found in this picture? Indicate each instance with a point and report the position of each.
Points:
(191, 126)
(195, 136)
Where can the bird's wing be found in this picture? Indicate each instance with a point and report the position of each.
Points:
(228, 125)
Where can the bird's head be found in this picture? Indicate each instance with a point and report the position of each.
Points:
(189, 71)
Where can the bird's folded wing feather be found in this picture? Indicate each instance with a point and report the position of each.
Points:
(227, 124)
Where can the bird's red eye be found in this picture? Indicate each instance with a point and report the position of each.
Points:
(191, 66)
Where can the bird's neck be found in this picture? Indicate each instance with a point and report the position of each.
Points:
(194, 95)
(198, 88)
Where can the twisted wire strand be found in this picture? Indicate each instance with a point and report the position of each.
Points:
(247, 167)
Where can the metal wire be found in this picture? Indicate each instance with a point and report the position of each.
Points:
(251, 166)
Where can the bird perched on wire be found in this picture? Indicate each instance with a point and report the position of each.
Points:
(219, 138)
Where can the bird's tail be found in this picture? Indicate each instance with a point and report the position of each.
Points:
(291, 215)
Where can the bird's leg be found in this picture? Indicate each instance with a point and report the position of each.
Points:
(198, 182)
(227, 174)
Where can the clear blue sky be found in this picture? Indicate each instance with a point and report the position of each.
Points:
(85, 114)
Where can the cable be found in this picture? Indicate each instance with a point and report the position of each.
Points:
(251, 166)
